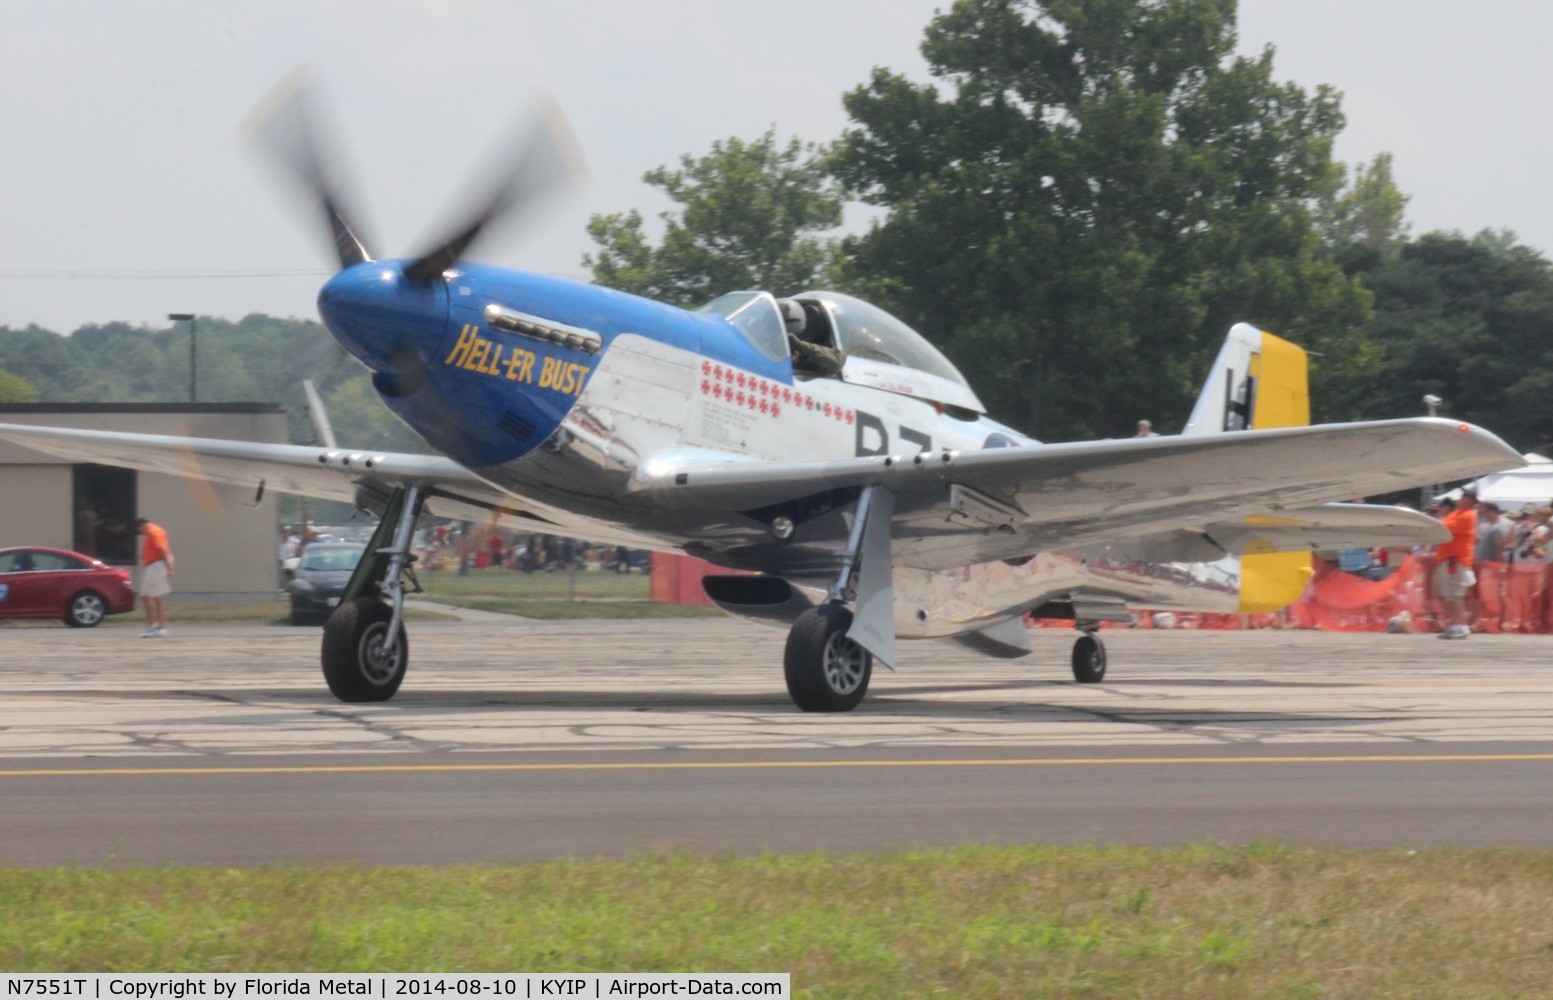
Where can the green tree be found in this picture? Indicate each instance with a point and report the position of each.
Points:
(1098, 193)
(1468, 320)
(746, 215)
(258, 358)
(1364, 220)
(44, 358)
(15, 389)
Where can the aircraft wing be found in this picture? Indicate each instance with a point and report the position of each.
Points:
(327, 473)
(953, 509)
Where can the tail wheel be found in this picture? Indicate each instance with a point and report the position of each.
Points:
(1089, 659)
(826, 671)
(85, 609)
(358, 665)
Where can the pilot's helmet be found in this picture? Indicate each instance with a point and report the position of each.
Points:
(792, 315)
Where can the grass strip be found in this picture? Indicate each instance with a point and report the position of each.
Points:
(210, 613)
(557, 610)
(588, 585)
(551, 596)
(555, 596)
(1199, 921)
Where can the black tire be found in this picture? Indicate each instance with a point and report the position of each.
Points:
(86, 610)
(352, 652)
(826, 671)
(300, 616)
(1089, 659)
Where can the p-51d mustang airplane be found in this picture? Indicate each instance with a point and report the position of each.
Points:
(874, 497)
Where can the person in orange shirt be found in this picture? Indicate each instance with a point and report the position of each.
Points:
(156, 570)
(1453, 575)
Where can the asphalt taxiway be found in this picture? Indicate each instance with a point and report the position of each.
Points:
(517, 740)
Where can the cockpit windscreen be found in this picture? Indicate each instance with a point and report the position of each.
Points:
(756, 315)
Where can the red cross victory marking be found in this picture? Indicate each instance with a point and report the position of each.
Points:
(760, 395)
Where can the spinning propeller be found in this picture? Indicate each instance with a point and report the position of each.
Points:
(541, 158)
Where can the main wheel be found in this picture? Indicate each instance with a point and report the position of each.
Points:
(85, 609)
(826, 671)
(357, 664)
(1089, 659)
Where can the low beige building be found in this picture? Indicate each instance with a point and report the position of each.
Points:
(224, 542)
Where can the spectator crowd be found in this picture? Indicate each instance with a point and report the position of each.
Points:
(1492, 576)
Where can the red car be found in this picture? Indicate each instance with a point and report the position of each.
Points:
(58, 583)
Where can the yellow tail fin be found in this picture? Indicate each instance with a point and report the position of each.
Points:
(1259, 381)
(1281, 370)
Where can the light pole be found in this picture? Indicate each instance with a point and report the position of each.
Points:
(190, 317)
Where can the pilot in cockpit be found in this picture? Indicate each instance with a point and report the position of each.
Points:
(811, 355)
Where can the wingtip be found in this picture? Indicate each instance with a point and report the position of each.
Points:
(1480, 437)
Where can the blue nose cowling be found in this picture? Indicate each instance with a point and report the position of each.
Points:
(382, 317)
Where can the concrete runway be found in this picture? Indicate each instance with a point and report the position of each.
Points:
(515, 740)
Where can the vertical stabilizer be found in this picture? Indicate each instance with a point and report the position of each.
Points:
(1258, 382)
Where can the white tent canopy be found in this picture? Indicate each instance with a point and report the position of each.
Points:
(1530, 484)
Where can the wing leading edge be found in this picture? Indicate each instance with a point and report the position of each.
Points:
(1076, 496)
(326, 473)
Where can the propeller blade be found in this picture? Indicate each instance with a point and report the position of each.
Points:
(283, 124)
(544, 158)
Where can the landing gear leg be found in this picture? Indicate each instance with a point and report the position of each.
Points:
(365, 649)
(830, 652)
(1089, 655)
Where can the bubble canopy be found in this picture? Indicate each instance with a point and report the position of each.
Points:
(866, 331)
(881, 351)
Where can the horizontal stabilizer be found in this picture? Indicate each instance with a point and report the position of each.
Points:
(1329, 527)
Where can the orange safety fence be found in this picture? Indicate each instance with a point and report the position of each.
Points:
(677, 579)
(1508, 597)
(1343, 602)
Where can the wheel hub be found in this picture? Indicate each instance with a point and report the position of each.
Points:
(844, 663)
(88, 610)
(379, 664)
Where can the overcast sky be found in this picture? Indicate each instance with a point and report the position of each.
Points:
(121, 162)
